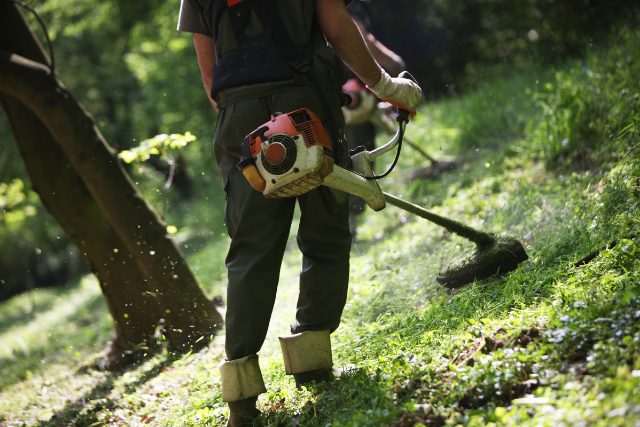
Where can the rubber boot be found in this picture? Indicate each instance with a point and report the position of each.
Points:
(241, 384)
(307, 356)
(243, 413)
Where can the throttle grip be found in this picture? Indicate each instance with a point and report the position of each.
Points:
(402, 114)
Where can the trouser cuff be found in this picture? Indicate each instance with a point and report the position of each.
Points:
(241, 379)
(306, 351)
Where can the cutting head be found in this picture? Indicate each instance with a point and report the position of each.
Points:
(500, 257)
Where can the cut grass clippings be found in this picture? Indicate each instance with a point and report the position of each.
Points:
(552, 343)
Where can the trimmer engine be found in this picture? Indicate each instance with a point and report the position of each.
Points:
(287, 156)
(291, 154)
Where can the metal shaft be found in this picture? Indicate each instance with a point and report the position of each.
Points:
(479, 237)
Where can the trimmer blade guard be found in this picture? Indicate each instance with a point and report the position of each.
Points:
(499, 258)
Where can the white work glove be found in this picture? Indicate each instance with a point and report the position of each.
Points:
(401, 92)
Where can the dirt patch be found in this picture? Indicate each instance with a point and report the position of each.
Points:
(500, 338)
(421, 416)
(494, 341)
(434, 170)
(527, 336)
(468, 354)
(472, 399)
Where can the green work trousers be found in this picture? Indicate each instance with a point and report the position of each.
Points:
(259, 227)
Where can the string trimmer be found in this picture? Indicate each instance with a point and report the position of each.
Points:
(364, 107)
(291, 155)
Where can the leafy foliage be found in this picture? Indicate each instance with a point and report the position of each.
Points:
(582, 117)
(39, 252)
(554, 342)
(13, 203)
(138, 77)
(162, 145)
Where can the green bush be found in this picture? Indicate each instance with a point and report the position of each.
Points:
(441, 39)
(591, 106)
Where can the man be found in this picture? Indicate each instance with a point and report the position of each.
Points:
(259, 57)
(360, 130)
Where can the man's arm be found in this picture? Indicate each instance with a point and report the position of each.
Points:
(206, 53)
(191, 20)
(388, 59)
(345, 37)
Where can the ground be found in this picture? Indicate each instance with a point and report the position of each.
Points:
(547, 155)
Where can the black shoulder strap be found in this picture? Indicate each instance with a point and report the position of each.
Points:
(239, 13)
(214, 13)
(298, 55)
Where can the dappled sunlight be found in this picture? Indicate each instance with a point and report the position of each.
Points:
(542, 127)
(56, 340)
(45, 326)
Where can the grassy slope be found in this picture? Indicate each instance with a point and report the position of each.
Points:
(551, 158)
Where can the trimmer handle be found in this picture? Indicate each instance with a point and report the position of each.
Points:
(402, 114)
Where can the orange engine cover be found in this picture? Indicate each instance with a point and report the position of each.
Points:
(302, 121)
(286, 152)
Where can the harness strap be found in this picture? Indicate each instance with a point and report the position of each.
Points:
(266, 10)
(299, 57)
(239, 14)
(215, 13)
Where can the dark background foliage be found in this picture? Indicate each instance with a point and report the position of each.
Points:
(137, 75)
(443, 41)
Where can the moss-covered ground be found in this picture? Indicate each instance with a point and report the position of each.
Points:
(549, 156)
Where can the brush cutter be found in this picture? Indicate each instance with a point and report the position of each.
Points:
(364, 107)
(291, 155)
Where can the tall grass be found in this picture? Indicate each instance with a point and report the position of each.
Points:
(553, 342)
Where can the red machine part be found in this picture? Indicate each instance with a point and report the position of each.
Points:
(298, 122)
(275, 153)
(353, 85)
(354, 88)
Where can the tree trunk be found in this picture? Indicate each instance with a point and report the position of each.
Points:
(81, 181)
(65, 196)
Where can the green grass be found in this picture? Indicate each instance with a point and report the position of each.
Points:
(552, 343)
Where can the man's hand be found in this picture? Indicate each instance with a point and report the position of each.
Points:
(401, 92)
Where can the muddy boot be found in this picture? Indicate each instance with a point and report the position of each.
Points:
(241, 384)
(307, 356)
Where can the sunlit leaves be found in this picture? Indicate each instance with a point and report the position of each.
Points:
(162, 145)
(16, 204)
